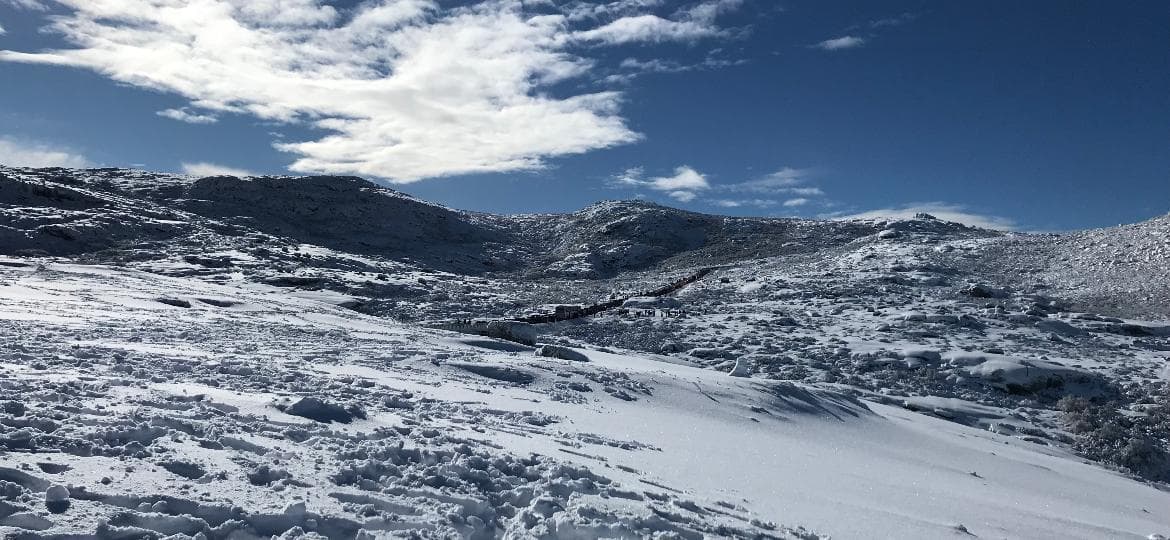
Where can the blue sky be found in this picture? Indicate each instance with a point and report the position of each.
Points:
(1039, 115)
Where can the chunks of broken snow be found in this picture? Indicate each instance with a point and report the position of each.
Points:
(1011, 374)
(911, 358)
(927, 355)
(514, 331)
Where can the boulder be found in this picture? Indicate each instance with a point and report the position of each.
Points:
(321, 411)
(564, 353)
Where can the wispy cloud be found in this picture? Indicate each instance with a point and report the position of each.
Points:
(682, 186)
(783, 180)
(579, 10)
(946, 211)
(840, 43)
(786, 187)
(859, 35)
(710, 10)
(738, 203)
(2, 30)
(897, 20)
(212, 169)
(648, 28)
(687, 24)
(34, 5)
(23, 153)
(403, 89)
(185, 115)
(631, 68)
(807, 191)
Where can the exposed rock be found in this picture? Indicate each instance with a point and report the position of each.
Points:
(322, 411)
(564, 353)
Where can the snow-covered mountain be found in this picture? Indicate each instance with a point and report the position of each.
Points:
(250, 357)
(111, 213)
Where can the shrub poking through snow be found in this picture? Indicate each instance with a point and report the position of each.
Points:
(1135, 443)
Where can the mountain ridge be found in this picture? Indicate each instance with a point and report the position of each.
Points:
(118, 214)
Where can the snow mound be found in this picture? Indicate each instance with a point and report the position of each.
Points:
(1020, 375)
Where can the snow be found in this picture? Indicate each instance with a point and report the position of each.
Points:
(239, 373)
(652, 302)
(788, 450)
(1014, 371)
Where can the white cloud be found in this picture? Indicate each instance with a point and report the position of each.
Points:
(2, 30)
(688, 24)
(843, 42)
(683, 185)
(686, 184)
(736, 203)
(288, 12)
(945, 211)
(710, 10)
(684, 178)
(184, 115)
(783, 180)
(20, 153)
(404, 89)
(648, 28)
(628, 177)
(806, 191)
(589, 10)
(212, 169)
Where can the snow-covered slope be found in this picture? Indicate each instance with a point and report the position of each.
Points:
(1120, 270)
(161, 418)
(130, 212)
(237, 358)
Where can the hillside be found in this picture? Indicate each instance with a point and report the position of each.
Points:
(272, 356)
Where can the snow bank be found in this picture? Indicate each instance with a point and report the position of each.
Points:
(1019, 375)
